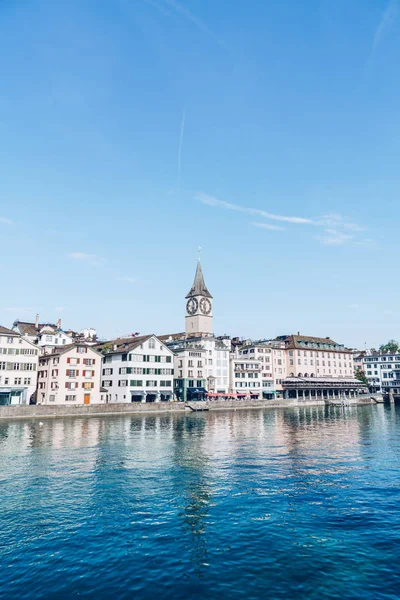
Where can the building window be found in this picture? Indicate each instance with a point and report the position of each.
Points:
(152, 344)
(123, 382)
(17, 381)
(70, 398)
(10, 340)
(52, 398)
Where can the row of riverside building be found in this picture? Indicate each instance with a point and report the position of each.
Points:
(41, 363)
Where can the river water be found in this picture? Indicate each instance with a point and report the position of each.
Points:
(287, 503)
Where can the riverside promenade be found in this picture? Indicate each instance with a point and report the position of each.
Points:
(48, 411)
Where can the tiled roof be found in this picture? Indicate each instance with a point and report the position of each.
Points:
(30, 328)
(58, 350)
(171, 336)
(5, 331)
(121, 344)
(302, 341)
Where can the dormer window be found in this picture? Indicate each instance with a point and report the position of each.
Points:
(152, 344)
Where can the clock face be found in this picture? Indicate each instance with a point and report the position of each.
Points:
(192, 306)
(205, 306)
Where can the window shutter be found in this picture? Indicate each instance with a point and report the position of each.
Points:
(68, 372)
(92, 385)
(78, 360)
(83, 373)
(83, 384)
(77, 372)
(68, 360)
(94, 360)
(66, 384)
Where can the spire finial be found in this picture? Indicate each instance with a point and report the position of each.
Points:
(198, 252)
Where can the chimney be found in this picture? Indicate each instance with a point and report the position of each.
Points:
(59, 324)
(37, 322)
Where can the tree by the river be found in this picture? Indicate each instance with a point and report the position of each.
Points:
(392, 347)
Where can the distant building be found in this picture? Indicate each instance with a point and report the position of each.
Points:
(18, 368)
(50, 335)
(246, 377)
(45, 335)
(137, 369)
(316, 357)
(271, 356)
(318, 368)
(70, 375)
(380, 370)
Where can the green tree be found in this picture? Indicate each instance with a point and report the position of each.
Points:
(361, 376)
(392, 347)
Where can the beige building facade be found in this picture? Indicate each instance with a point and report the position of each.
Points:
(316, 357)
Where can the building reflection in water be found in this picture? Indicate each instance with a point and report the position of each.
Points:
(193, 485)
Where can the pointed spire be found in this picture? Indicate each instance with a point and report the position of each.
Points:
(199, 288)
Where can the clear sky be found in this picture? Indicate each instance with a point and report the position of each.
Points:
(267, 132)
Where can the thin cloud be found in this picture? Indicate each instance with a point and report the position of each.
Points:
(180, 145)
(334, 220)
(128, 279)
(212, 201)
(333, 237)
(268, 226)
(388, 18)
(336, 229)
(5, 221)
(91, 259)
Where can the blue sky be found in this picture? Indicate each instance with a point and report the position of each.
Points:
(267, 132)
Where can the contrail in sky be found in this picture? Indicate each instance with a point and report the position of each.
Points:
(180, 146)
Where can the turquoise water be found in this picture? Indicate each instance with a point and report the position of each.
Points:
(299, 503)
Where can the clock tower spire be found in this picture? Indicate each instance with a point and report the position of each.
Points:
(199, 305)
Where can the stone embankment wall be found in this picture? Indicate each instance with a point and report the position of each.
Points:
(44, 411)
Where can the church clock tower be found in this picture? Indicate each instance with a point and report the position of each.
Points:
(199, 306)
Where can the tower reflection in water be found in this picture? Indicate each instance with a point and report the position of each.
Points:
(193, 485)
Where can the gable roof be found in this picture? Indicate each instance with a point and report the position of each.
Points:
(27, 328)
(122, 345)
(58, 350)
(199, 287)
(5, 331)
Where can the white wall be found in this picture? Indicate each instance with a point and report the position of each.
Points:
(113, 381)
(18, 367)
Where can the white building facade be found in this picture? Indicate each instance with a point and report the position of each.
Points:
(137, 369)
(18, 368)
(246, 377)
(379, 368)
(272, 358)
(70, 375)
